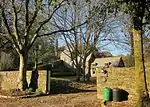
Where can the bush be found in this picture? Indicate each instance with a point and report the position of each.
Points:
(30, 90)
(129, 61)
(39, 92)
(8, 61)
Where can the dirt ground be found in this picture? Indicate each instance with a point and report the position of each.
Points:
(78, 99)
(84, 99)
(87, 99)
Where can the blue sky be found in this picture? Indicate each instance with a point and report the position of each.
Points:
(120, 45)
(117, 48)
(114, 50)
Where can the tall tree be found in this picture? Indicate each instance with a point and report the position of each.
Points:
(82, 41)
(22, 26)
(141, 84)
(139, 11)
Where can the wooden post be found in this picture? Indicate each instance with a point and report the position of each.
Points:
(48, 80)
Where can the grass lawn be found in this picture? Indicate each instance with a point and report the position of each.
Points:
(66, 78)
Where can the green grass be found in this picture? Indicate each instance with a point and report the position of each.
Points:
(64, 78)
(64, 84)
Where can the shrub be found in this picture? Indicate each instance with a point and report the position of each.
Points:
(39, 92)
(29, 90)
(8, 61)
(129, 61)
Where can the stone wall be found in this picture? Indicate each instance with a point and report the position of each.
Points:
(122, 78)
(8, 79)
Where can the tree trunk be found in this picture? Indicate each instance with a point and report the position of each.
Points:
(78, 72)
(22, 81)
(84, 69)
(132, 44)
(89, 72)
(34, 76)
(78, 75)
(141, 84)
(34, 80)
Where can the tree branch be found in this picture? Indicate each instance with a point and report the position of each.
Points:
(13, 39)
(61, 30)
(26, 13)
(15, 22)
(4, 44)
(43, 23)
(28, 27)
(33, 18)
(5, 20)
(20, 7)
(50, 17)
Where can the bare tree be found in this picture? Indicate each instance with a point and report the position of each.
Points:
(83, 40)
(22, 26)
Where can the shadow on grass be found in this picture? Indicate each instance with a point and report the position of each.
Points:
(63, 87)
(66, 87)
(70, 90)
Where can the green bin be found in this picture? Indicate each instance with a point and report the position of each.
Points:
(107, 94)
